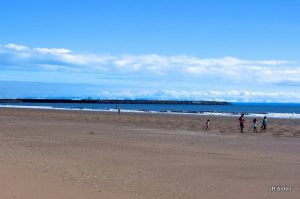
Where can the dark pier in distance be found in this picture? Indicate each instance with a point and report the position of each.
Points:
(109, 101)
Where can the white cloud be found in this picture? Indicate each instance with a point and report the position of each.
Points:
(53, 51)
(15, 47)
(19, 57)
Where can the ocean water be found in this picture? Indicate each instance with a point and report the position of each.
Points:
(276, 110)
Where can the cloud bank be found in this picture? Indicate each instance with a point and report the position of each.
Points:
(54, 90)
(19, 57)
(217, 95)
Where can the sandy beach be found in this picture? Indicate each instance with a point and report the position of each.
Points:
(55, 154)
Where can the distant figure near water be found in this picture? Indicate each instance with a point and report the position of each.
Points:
(119, 110)
(207, 125)
(242, 122)
(264, 124)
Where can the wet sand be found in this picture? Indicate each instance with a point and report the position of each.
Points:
(76, 154)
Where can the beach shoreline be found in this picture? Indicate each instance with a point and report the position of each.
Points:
(84, 154)
(280, 111)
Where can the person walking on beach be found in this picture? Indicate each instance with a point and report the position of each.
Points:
(255, 125)
(242, 122)
(264, 124)
(119, 110)
(207, 125)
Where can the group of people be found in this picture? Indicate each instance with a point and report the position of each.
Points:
(242, 124)
(255, 124)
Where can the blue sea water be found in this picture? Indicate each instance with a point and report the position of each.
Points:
(281, 110)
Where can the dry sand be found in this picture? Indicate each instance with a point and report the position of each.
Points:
(48, 154)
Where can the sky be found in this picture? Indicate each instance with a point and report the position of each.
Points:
(233, 50)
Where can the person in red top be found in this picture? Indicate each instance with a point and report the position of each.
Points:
(242, 122)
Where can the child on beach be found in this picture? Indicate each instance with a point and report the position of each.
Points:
(242, 121)
(255, 125)
(207, 124)
(264, 124)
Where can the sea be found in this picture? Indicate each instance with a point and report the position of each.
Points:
(273, 110)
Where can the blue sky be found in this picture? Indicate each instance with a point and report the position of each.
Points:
(235, 50)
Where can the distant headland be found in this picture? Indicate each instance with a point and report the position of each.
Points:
(112, 101)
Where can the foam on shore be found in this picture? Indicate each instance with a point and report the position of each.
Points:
(204, 113)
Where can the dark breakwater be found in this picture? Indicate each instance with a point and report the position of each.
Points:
(101, 101)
